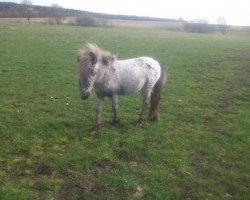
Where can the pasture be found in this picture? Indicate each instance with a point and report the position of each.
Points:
(199, 149)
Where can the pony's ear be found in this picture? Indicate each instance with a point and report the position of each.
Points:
(105, 60)
(93, 58)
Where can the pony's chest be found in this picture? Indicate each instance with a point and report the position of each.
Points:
(106, 88)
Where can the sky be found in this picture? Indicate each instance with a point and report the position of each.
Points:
(236, 12)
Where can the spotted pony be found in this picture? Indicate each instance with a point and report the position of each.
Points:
(111, 77)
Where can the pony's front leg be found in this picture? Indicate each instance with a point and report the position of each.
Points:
(116, 119)
(97, 124)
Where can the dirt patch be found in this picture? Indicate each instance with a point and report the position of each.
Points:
(82, 189)
(186, 190)
(43, 169)
(103, 165)
(124, 156)
(198, 160)
(140, 191)
(66, 124)
(18, 103)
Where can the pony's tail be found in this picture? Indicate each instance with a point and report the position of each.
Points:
(156, 96)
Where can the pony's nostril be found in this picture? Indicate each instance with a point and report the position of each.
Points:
(85, 95)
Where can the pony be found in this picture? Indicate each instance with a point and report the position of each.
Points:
(111, 77)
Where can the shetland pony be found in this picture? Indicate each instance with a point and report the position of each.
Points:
(111, 77)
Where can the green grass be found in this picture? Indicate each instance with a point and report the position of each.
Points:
(198, 150)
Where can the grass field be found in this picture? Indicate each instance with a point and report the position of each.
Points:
(199, 149)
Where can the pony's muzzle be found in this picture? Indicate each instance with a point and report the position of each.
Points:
(85, 95)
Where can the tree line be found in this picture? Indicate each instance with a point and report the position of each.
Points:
(84, 18)
(26, 10)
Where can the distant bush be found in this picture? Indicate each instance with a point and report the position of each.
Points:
(85, 21)
(90, 21)
(199, 26)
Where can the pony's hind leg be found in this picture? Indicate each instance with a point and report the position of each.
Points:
(96, 126)
(146, 99)
(116, 119)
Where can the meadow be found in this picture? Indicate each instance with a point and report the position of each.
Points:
(199, 149)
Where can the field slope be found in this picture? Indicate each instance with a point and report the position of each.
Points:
(199, 149)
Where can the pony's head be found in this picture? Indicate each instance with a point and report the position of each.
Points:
(91, 60)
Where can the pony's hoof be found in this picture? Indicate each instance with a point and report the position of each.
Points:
(93, 132)
(95, 129)
(140, 122)
(116, 122)
(140, 125)
(153, 118)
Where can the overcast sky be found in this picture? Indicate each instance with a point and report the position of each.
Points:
(236, 12)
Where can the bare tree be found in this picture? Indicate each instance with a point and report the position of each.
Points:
(58, 13)
(28, 10)
(222, 25)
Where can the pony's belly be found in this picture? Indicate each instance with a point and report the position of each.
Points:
(130, 88)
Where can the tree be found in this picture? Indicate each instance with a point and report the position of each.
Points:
(58, 13)
(222, 25)
(28, 10)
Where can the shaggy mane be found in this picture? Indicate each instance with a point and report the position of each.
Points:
(90, 55)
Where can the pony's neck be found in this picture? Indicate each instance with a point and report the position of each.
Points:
(106, 74)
